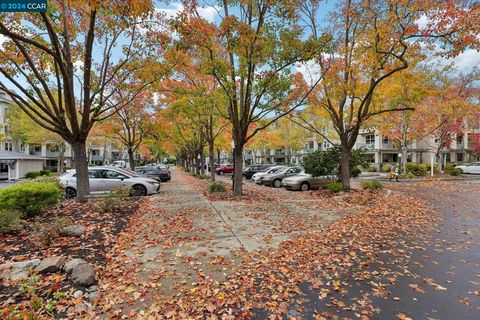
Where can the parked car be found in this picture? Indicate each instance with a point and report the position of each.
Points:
(275, 179)
(304, 182)
(228, 168)
(473, 167)
(251, 170)
(154, 172)
(105, 179)
(119, 164)
(256, 176)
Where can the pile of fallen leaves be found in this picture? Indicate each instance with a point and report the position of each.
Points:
(270, 281)
(101, 231)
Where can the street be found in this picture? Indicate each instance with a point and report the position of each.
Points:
(438, 277)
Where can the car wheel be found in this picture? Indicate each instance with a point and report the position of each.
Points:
(277, 183)
(70, 193)
(138, 191)
(304, 186)
(221, 173)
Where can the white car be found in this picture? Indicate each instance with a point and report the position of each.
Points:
(256, 176)
(105, 179)
(119, 164)
(473, 167)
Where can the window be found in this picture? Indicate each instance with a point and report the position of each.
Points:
(437, 140)
(8, 146)
(459, 140)
(95, 152)
(311, 145)
(54, 149)
(326, 144)
(37, 148)
(385, 140)
(370, 139)
(110, 174)
(22, 147)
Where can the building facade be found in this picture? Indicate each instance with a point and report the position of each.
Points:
(47, 154)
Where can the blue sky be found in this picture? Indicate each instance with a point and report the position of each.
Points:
(464, 62)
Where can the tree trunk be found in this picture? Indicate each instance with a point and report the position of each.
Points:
(218, 156)
(202, 163)
(131, 158)
(211, 159)
(404, 159)
(81, 170)
(345, 168)
(238, 173)
(61, 157)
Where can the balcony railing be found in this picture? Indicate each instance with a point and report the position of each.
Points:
(368, 146)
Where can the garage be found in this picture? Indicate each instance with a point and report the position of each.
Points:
(15, 165)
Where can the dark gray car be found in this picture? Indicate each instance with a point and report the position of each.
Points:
(275, 179)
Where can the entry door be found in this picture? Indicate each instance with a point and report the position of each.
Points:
(3, 171)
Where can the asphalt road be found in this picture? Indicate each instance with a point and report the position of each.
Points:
(439, 278)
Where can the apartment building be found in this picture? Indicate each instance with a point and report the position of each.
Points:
(380, 150)
(17, 158)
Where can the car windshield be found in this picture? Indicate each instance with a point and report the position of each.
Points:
(128, 172)
(273, 170)
(283, 170)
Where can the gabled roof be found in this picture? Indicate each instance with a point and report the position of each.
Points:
(10, 155)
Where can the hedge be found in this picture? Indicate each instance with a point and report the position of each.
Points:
(30, 198)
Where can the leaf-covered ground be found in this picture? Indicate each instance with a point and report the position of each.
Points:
(170, 263)
(409, 253)
(31, 242)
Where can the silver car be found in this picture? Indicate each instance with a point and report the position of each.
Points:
(305, 182)
(105, 179)
(256, 176)
(275, 179)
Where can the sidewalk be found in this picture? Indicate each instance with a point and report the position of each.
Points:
(182, 237)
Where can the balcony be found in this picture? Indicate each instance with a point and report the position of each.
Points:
(367, 146)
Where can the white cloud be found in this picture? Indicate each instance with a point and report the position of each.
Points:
(464, 62)
(467, 60)
(208, 13)
(2, 40)
(310, 71)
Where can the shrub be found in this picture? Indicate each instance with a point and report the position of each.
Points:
(30, 197)
(217, 187)
(456, 171)
(44, 172)
(323, 163)
(48, 232)
(335, 186)
(371, 169)
(409, 175)
(47, 179)
(9, 220)
(32, 174)
(114, 199)
(417, 169)
(386, 167)
(449, 167)
(371, 185)
(203, 176)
